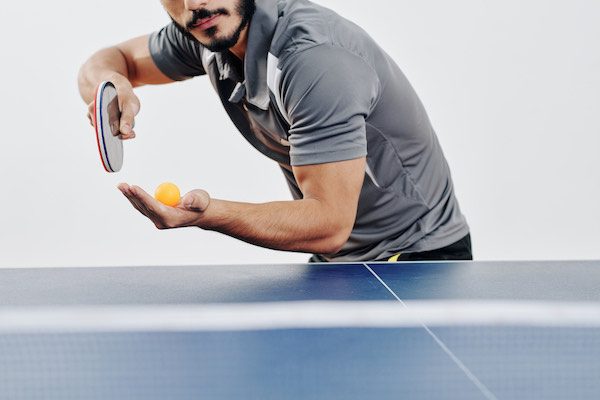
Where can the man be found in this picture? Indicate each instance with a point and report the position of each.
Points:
(313, 92)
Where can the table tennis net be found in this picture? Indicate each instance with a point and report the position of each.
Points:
(510, 359)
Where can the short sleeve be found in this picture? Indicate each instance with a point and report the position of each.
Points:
(176, 55)
(327, 93)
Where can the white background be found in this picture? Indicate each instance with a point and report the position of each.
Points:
(512, 88)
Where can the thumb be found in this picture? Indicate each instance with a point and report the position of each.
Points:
(196, 200)
(130, 109)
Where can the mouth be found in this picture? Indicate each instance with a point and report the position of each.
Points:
(206, 23)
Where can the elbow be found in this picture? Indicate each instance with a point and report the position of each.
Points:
(334, 240)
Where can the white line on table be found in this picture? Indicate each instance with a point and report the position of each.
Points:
(486, 392)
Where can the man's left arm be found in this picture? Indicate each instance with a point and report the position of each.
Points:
(320, 223)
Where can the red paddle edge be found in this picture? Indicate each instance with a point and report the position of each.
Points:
(96, 128)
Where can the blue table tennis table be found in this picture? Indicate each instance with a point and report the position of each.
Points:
(426, 330)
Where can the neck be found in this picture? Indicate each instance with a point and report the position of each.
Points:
(239, 49)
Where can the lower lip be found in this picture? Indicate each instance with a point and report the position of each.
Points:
(209, 23)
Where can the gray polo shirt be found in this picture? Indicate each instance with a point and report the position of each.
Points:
(315, 88)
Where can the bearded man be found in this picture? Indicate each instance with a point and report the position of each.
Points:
(314, 93)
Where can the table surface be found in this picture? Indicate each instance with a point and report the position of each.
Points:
(481, 330)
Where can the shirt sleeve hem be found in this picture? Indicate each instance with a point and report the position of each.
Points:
(298, 160)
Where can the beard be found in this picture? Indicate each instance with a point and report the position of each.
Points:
(245, 9)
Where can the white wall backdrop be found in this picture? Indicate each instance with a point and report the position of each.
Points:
(512, 87)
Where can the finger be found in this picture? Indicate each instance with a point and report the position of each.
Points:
(135, 205)
(138, 207)
(196, 200)
(130, 108)
(128, 136)
(126, 190)
(123, 186)
(90, 113)
(149, 202)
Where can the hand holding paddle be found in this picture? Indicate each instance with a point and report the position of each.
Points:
(113, 114)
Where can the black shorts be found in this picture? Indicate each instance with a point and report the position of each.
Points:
(460, 250)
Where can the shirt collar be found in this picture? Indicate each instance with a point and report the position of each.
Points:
(260, 34)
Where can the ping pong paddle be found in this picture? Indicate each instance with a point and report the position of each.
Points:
(107, 118)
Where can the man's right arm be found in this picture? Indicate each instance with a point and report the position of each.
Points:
(127, 65)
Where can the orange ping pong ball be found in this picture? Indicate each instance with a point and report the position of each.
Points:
(168, 194)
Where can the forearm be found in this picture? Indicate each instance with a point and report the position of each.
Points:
(307, 225)
(105, 65)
